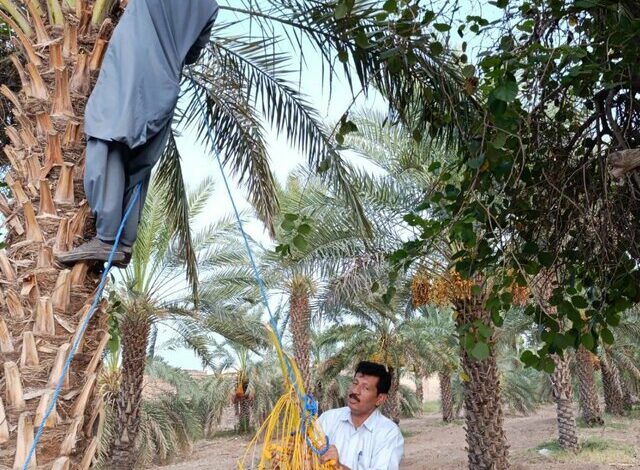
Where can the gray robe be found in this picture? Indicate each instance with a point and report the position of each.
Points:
(139, 82)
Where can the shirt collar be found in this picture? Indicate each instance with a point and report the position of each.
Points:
(370, 422)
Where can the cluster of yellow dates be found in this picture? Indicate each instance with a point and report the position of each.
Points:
(280, 457)
(442, 290)
(426, 290)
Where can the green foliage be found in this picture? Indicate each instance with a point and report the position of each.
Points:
(174, 420)
(295, 229)
(408, 402)
(531, 166)
(593, 450)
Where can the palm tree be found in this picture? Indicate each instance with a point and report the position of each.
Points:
(433, 283)
(408, 166)
(485, 435)
(405, 162)
(47, 301)
(418, 379)
(317, 238)
(446, 395)
(170, 421)
(436, 330)
(561, 383)
(318, 241)
(611, 384)
(589, 401)
(563, 396)
(258, 382)
(486, 439)
(149, 292)
(620, 375)
(238, 359)
(300, 320)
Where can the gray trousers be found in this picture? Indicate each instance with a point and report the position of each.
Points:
(112, 172)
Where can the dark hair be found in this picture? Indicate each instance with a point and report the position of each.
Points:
(376, 370)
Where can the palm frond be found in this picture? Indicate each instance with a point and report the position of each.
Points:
(178, 378)
(168, 428)
(212, 397)
(199, 197)
(234, 325)
(170, 179)
(260, 77)
(188, 333)
(421, 91)
(228, 124)
(410, 407)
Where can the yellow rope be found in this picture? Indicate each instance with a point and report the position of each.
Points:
(278, 443)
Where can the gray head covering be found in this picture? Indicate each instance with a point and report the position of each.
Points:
(139, 80)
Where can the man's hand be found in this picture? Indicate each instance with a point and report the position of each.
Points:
(332, 454)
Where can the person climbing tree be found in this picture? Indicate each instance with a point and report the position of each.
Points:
(128, 115)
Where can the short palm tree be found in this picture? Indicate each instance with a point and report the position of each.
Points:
(152, 290)
(237, 358)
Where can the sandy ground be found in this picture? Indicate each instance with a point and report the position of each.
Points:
(432, 445)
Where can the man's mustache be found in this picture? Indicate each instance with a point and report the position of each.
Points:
(354, 396)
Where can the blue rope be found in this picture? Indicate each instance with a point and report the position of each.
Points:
(310, 404)
(83, 327)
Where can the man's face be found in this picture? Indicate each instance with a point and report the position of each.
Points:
(363, 395)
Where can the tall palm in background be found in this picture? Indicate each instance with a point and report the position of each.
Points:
(620, 374)
(408, 167)
(239, 359)
(561, 380)
(317, 238)
(322, 252)
(588, 392)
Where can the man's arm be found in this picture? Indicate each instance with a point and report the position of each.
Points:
(202, 41)
(389, 454)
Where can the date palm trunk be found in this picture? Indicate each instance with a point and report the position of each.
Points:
(446, 395)
(589, 403)
(487, 447)
(300, 318)
(563, 396)
(135, 329)
(44, 303)
(613, 394)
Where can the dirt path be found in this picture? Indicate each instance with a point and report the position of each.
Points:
(432, 445)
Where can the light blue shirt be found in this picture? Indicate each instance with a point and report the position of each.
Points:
(376, 445)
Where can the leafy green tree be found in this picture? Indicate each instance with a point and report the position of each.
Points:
(544, 135)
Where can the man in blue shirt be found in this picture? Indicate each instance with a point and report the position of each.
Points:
(360, 437)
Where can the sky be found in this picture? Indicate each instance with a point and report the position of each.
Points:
(198, 164)
(329, 103)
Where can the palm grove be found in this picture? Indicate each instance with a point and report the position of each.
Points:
(499, 224)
